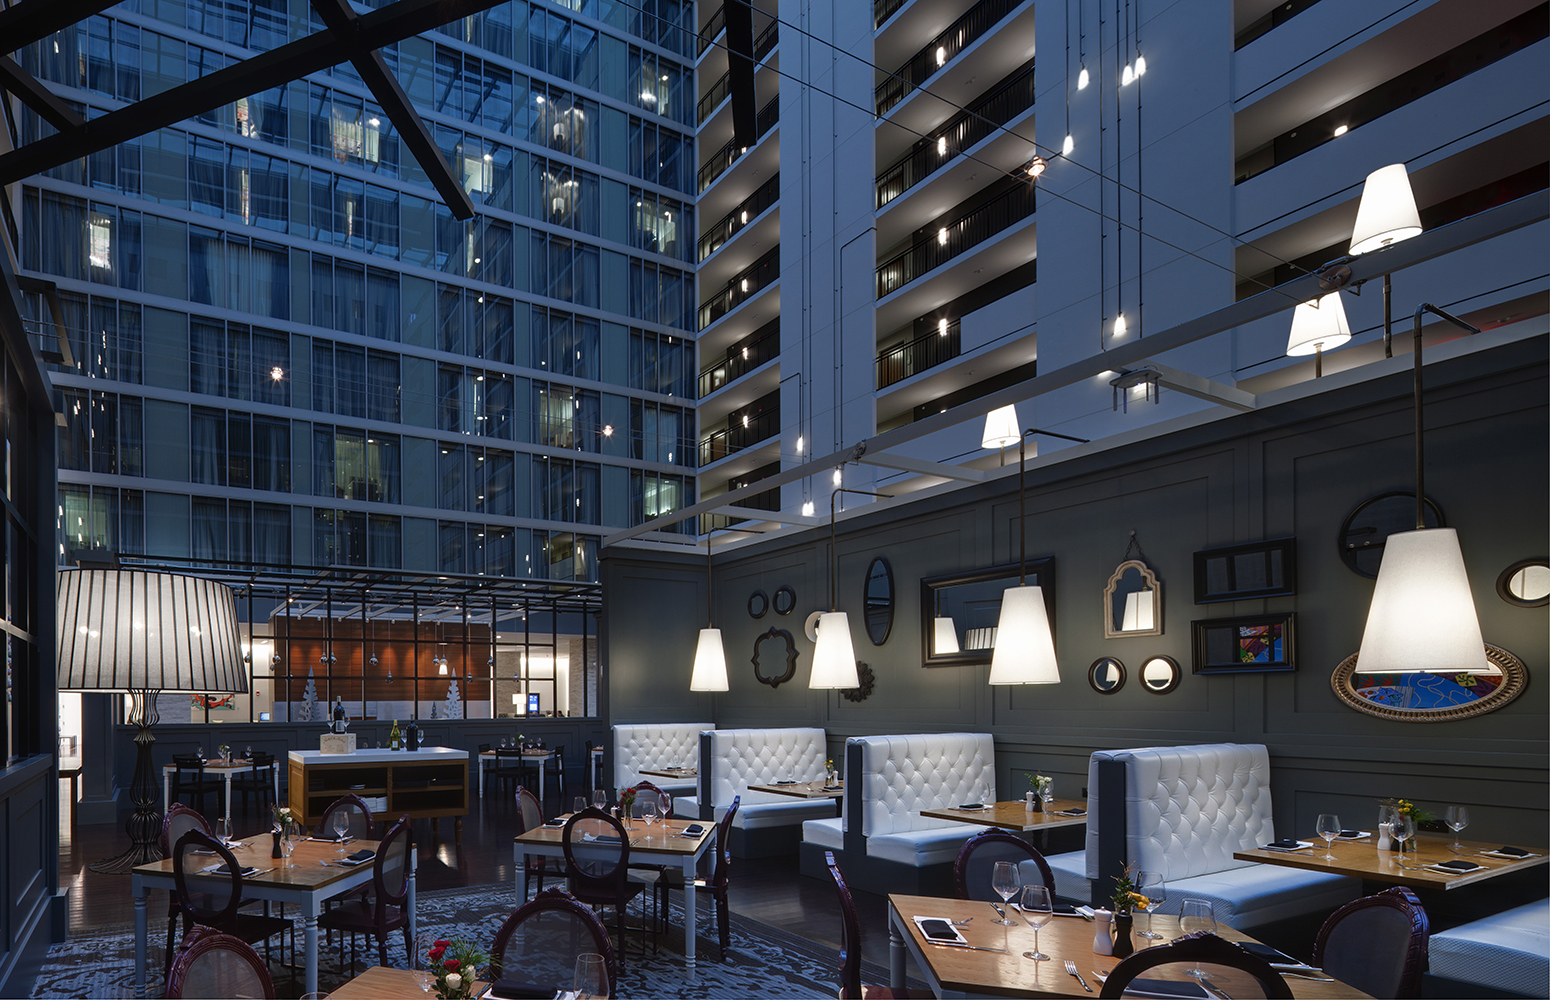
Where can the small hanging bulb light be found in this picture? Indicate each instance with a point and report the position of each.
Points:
(1068, 145)
(1128, 76)
(1036, 166)
(1140, 65)
(807, 508)
(1120, 326)
(837, 477)
(1082, 79)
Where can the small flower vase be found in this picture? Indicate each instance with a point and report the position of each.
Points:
(1122, 926)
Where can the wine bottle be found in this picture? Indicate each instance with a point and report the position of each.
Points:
(393, 737)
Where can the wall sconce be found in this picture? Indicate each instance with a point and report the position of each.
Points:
(1318, 326)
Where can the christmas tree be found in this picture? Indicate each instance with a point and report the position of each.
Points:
(454, 706)
(309, 700)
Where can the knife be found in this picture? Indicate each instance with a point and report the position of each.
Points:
(971, 947)
(998, 909)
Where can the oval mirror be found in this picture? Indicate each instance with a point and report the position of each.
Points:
(1132, 601)
(878, 601)
(1160, 674)
(1369, 526)
(785, 601)
(1426, 696)
(758, 604)
(1525, 584)
(1106, 675)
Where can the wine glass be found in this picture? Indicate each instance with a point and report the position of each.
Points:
(1196, 915)
(664, 805)
(1005, 881)
(591, 978)
(600, 799)
(648, 809)
(579, 804)
(1328, 827)
(223, 831)
(1037, 910)
(248, 753)
(1404, 829)
(1155, 889)
(341, 827)
(422, 975)
(1457, 817)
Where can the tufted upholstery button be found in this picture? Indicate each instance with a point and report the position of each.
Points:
(655, 746)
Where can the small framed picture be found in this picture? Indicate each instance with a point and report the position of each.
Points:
(1250, 644)
(1246, 572)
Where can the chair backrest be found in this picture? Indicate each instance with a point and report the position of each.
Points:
(655, 746)
(1376, 944)
(723, 870)
(1186, 809)
(556, 927)
(358, 811)
(658, 796)
(743, 757)
(214, 899)
(262, 762)
(508, 758)
(390, 868)
(179, 820)
(215, 965)
(484, 748)
(530, 810)
(191, 768)
(976, 863)
(901, 775)
(850, 934)
(1203, 948)
(599, 870)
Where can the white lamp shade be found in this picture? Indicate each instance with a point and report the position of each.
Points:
(944, 636)
(1001, 428)
(834, 658)
(133, 630)
(1387, 212)
(710, 663)
(1138, 616)
(1025, 647)
(1423, 614)
(1318, 324)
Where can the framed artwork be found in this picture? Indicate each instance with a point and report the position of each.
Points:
(1246, 572)
(1250, 644)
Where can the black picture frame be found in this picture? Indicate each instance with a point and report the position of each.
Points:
(1219, 644)
(973, 600)
(1245, 572)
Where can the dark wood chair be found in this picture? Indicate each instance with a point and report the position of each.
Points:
(387, 909)
(215, 965)
(559, 775)
(976, 862)
(717, 882)
(508, 769)
(851, 987)
(556, 927)
(663, 801)
(179, 820)
(361, 826)
(1376, 944)
(257, 780)
(190, 780)
(1203, 948)
(215, 899)
(599, 874)
(530, 816)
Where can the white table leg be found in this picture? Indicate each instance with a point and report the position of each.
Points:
(142, 895)
(166, 791)
(895, 958)
(274, 776)
(414, 930)
(690, 918)
(481, 777)
(541, 763)
(310, 972)
(228, 796)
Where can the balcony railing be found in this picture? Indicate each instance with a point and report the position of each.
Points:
(924, 64)
(982, 118)
(727, 155)
(742, 357)
(950, 239)
(721, 88)
(717, 234)
(899, 363)
(744, 285)
(715, 26)
(882, 10)
(747, 426)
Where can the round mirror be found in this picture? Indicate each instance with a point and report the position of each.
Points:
(1160, 674)
(1425, 696)
(1525, 584)
(878, 601)
(1369, 526)
(785, 601)
(1106, 675)
(758, 604)
(1132, 601)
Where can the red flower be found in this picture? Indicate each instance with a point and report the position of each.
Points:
(435, 953)
(451, 965)
(443, 944)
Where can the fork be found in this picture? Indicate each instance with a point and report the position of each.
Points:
(1071, 970)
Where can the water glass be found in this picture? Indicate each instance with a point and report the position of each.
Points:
(1038, 909)
(591, 978)
(648, 809)
(579, 804)
(665, 805)
(600, 799)
(1457, 817)
(1328, 827)
(341, 827)
(223, 831)
(1197, 915)
(1005, 880)
(1404, 829)
(1155, 889)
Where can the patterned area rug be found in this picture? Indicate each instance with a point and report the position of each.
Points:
(763, 961)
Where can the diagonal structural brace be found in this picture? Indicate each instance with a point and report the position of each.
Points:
(36, 96)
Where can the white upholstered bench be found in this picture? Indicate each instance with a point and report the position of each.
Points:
(1183, 811)
(1507, 951)
(656, 745)
(731, 760)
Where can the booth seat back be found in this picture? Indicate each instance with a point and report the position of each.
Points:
(655, 745)
(901, 775)
(1187, 809)
(738, 758)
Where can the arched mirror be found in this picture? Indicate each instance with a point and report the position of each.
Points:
(1106, 675)
(1160, 674)
(1426, 696)
(1525, 584)
(1132, 601)
(878, 601)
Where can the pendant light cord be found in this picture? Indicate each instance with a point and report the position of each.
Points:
(710, 592)
(1420, 442)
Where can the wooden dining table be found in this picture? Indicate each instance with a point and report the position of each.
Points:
(1015, 815)
(540, 758)
(676, 773)
(382, 983)
(819, 789)
(1362, 859)
(962, 972)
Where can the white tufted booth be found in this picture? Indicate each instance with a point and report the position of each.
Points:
(900, 776)
(742, 757)
(657, 745)
(1186, 810)
(1504, 951)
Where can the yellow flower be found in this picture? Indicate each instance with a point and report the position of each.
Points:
(1136, 899)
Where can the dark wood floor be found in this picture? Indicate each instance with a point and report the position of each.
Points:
(769, 890)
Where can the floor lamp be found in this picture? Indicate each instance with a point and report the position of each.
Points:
(142, 633)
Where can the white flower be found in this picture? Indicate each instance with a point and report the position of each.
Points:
(454, 981)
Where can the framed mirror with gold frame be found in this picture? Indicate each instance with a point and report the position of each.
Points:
(1432, 696)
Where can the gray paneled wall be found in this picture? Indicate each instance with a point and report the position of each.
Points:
(1294, 470)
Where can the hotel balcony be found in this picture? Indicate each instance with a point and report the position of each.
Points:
(744, 286)
(747, 355)
(724, 158)
(750, 432)
(912, 357)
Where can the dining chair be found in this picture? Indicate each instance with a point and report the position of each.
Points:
(530, 816)
(977, 859)
(387, 908)
(190, 779)
(179, 820)
(555, 928)
(646, 786)
(508, 767)
(1377, 944)
(851, 987)
(717, 882)
(216, 899)
(597, 862)
(214, 966)
(257, 780)
(1198, 948)
(360, 818)
(559, 773)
